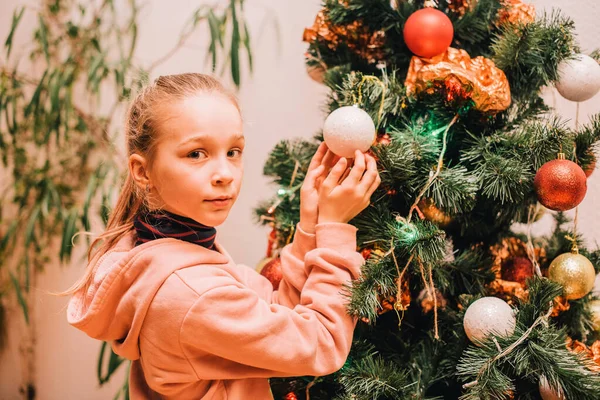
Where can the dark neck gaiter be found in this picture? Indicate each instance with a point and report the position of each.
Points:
(164, 224)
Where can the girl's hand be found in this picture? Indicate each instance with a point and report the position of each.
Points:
(341, 199)
(309, 196)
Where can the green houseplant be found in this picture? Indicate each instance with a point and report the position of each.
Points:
(60, 165)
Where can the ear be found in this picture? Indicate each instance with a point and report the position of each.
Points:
(139, 171)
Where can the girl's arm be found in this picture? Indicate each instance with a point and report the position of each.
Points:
(248, 337)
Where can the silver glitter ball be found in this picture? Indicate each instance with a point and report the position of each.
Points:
(348, 129)
(488, 316)
(579, 78)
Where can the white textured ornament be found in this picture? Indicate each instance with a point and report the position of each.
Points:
(546, 391)
(578, 78)
(489, 315)
(348, 129)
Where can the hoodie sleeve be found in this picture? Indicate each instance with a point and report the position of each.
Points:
(293, 270)
(252, 338)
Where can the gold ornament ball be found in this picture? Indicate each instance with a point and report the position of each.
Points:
(546, 391)
(595, 310)
(575, 272)
(434, 214)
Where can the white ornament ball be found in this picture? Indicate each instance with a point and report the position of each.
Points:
(489, 315)
(579, 78)
(348, 129)
(546, 391)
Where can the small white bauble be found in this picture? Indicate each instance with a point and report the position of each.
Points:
(489, 315)
(348, 129)
(578, 78)
(546, 391)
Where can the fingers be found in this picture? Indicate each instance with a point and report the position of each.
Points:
(330, 160)
(370, 177)
(373, 187)
(358, 169)
(312, 176)
(334, 175)
(317, 159)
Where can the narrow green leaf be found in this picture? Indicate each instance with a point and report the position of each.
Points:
(54, 89)
(29, 230)
(15, 107)
(20, 297)
(134, 33)
(23, 200)
(44, 38)
(215, 37)
(35, 98)
(95, 65)
(51, 188)
(215, 29)
(248, 47)
(27, 271)
(15, 22)
(45, 206)
(235, 45)
(3, 326)
(10, 99)
(114, 361)
(89, 193)
(67, 110)
(100, 362)
(69, 227)
(10, 234)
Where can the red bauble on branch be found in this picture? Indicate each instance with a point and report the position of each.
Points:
(272, 271)
(560, 184)
(428, 32)
(517, 269)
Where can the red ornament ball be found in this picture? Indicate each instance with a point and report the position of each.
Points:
(428, 32)
(560, 185)
(272, 271)
(517, 269)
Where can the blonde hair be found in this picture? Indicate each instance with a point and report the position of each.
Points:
(141, 134)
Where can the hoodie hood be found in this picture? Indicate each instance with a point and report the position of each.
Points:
(126, 279)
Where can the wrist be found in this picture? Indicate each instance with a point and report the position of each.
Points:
(326, 220)
(307, 226)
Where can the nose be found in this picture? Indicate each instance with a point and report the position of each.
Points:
(222, 174)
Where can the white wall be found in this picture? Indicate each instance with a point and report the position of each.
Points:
(279, 101)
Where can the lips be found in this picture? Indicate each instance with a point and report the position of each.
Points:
(221, 198)
(221, 201)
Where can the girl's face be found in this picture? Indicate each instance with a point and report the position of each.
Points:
(197, 169)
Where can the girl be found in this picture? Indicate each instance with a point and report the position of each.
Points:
(195, 324)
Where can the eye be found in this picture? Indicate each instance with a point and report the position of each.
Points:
(234, 153)
(197, 154)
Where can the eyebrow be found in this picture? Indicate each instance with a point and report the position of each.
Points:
(203, 137)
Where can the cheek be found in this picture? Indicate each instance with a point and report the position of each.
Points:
(239, 176)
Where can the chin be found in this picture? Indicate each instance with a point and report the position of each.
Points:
(214, 220)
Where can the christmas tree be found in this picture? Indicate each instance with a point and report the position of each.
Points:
(453, 303)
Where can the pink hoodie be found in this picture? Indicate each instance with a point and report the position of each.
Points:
(198, 326)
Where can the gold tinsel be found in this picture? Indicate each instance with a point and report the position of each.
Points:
(503, 253)
(516, 12)
(357, 37)
(479, 78)
(560, 305)
(593, 351)
(427, 303)
(460, 7)
(429, 210)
